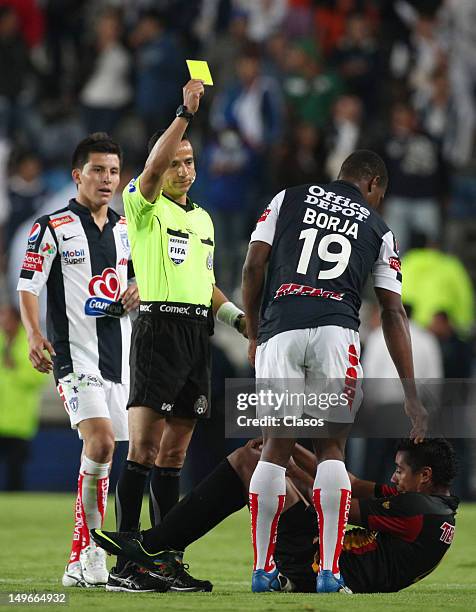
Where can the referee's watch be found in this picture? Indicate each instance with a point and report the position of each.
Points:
(182, 111)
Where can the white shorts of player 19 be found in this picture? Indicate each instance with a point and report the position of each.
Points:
(313, 371)
(88, 396)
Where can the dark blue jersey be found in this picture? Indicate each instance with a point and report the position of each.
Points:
(326, 241)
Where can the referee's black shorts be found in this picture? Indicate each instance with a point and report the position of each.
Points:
(170, 360)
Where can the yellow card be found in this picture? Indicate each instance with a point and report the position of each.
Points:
(199, 70)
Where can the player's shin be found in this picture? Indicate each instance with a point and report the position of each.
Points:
(267, 496)
(331, 496)
(94, 489)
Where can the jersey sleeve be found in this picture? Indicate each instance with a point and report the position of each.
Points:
(42, 248)
(266, 224)
(138, 210)
(385, 490)
(387, 272)
(400, 515)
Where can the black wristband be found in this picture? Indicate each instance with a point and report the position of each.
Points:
(236, 324)
(182, 111)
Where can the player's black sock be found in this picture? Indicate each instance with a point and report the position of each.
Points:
(164, 492)
(215, 498)
(129, 494)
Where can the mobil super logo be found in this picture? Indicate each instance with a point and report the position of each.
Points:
(104, 290)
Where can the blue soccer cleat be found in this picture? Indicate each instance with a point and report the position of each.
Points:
(263, 582)
(327, 583)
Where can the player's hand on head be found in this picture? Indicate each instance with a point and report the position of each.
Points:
(419, 418)
(192, 92)
(130, 298)
(38, 345)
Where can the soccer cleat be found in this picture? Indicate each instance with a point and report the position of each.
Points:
(133, 579)
(166, 564)
(327, 583)
(262, 582)
(73, 576)
(93, 564)
(184, 582)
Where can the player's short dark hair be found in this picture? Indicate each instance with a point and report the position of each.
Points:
(155, 137)
(364, 164)
(436, 453)
(99, 142)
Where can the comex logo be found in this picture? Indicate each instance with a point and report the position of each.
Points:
(105, 290)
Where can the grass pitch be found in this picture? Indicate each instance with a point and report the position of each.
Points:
(35, 531)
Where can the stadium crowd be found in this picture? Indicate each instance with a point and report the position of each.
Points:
(298, 85)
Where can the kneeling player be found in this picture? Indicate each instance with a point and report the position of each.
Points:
(405, 529)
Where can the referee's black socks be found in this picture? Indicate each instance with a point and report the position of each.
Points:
(220, 494)
(164, 492)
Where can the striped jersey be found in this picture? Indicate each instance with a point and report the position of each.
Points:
(85, 271)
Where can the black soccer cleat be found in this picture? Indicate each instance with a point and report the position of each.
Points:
(166, 564)
(134, 579)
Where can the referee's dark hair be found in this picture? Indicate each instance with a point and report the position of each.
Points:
(436, 453)
(99, 142)
(364, 164)
(155, 137)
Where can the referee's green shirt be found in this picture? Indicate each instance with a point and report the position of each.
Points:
(172, 248)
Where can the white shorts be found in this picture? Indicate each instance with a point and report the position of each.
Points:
(316, 371)
(88, 396)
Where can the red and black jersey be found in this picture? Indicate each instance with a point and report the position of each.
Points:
(405, 537)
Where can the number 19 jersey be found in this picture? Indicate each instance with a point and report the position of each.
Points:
(326, 241)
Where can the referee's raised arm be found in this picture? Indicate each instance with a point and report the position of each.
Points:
(163, 152)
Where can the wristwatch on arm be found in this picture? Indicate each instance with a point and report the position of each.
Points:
(182, 111)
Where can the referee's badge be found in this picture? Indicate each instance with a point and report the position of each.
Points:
(210, 260)
(178, 249)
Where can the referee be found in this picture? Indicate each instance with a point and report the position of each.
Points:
(172, 243)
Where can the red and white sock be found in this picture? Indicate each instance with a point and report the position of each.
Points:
(331, 495)
(78, 536)
(267, 496)
(94, 487)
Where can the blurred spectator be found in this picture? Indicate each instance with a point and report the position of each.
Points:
(30, 18)
(226, 179)
(301, 158)
(251, 105)
(265, 17)
(438, 282)
(275, 55)
(107, 90)
(356, 60)
(458, 18)
(418, 178)
(330, 19)
(26, 191)
(344, 132)
(428, 56)
(20, 387)
(310, 88)
(433, 107)
(457, 353)
(15, 70)
(159, 66)
(222, 52)
(65, 26)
